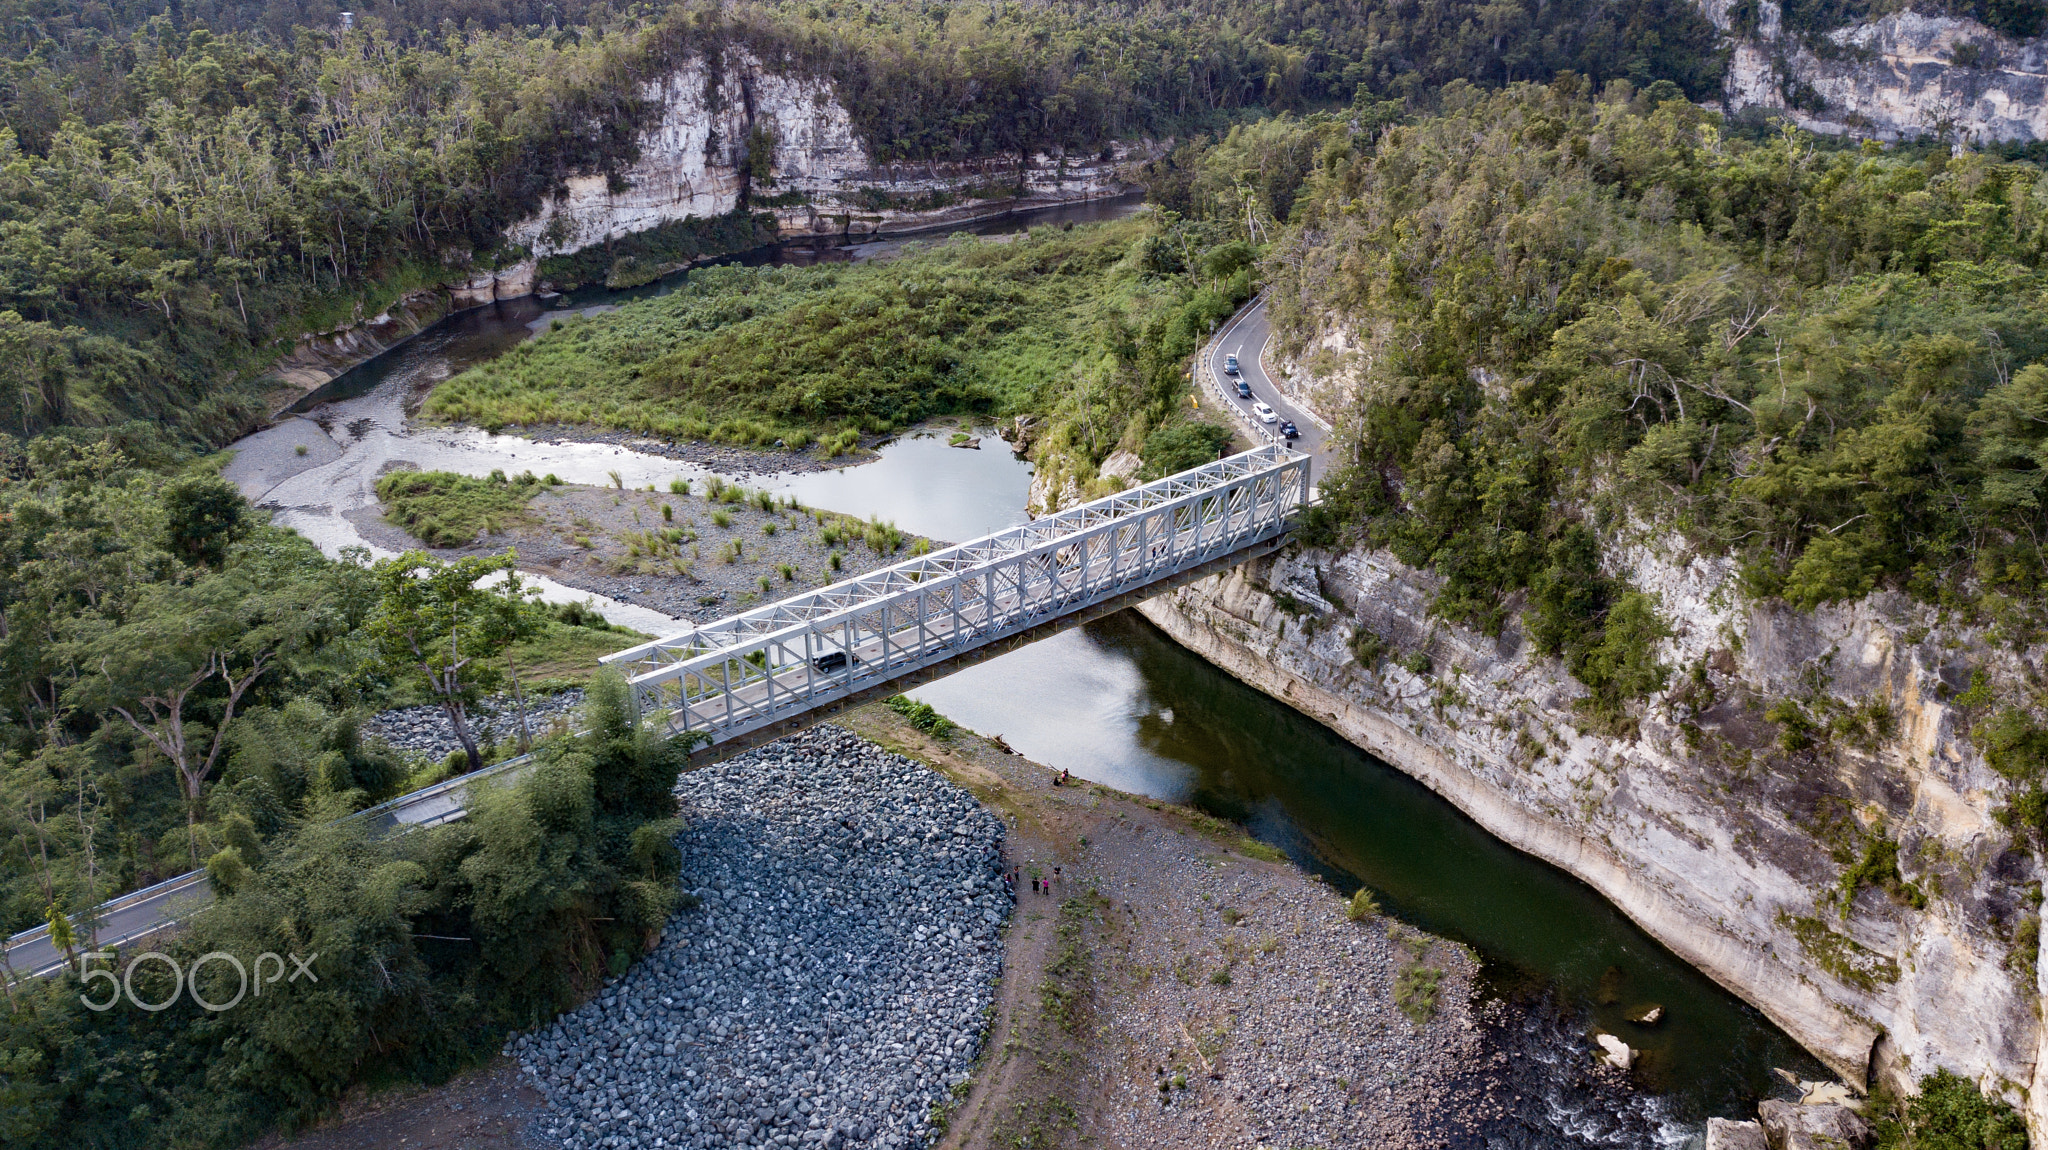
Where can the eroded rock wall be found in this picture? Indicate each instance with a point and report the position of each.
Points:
(1902, 76)
(694, 164)
(1718, 841)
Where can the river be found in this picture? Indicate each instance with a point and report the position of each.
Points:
(1118, 703)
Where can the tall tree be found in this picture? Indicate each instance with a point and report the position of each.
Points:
(441, 622)
(177, 668)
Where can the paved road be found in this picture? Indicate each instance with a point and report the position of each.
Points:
(1246, 338)
(126, 921)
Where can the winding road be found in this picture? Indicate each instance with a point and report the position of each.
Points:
(1246, 337)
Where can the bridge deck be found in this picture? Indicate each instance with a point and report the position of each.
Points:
(728, 679)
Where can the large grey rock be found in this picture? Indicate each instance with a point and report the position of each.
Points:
(1723, 1134)
(1791, 1126)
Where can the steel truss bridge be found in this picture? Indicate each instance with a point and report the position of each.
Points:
(756, 676)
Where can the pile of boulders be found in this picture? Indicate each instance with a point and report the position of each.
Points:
(832, 986)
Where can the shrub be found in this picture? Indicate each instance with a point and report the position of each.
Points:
(1415, 990)
(922, 716)
(1177, 447)
(1362, 906)
(443, 509)
(1950, 1113)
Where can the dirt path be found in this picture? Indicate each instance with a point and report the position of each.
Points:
(489, 1108)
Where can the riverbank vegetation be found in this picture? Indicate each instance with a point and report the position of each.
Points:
(1091, 326)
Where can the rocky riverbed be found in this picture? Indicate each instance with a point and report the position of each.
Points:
(701, 554)
(832, 986)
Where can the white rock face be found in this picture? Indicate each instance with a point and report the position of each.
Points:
(1615, 1052)
(1894, 77)
(693, 165)
(1707, 840)
(1725, 1135)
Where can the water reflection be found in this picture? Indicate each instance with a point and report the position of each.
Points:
(926, 486)
(1119, 703)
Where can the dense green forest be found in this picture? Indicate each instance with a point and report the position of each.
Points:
(429, 947)
(175, 671)
(1825, 362)
(180, 687)
(183, 193)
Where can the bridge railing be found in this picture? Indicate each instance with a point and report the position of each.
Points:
(752, 670)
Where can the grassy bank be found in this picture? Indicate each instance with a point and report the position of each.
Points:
(1087, 324)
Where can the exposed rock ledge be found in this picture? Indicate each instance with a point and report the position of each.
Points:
(1904, 75)
(1714, 851)
(695, 164)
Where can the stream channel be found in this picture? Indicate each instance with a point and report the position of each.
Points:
(1118, 703)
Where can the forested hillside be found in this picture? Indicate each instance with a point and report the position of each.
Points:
(181, 195)
(1825, 361)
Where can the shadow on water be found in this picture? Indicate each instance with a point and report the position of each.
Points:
(1118, 702)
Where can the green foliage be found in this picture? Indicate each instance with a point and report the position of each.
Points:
(443, 509)
(1415, 992)
(1362, 906)
(1840, 955)
(436, 624)
(2016, 746)
(1368, 647)
(1878, 866)
(755, 355)
(431, 945)
(1950, 1113)
(922, 716)
(1795, 730)
(642, 257)
(1176, 447)
(153, 627)
(204, 515)
(1599, 310)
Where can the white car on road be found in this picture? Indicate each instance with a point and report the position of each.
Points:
(1265, 414)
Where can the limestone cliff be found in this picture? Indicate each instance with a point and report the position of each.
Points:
(817, 178)
(1904, 75)
(1702, 826)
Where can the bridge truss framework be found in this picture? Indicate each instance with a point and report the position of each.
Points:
(753, 677)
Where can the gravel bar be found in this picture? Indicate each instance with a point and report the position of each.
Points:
(833, 985)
